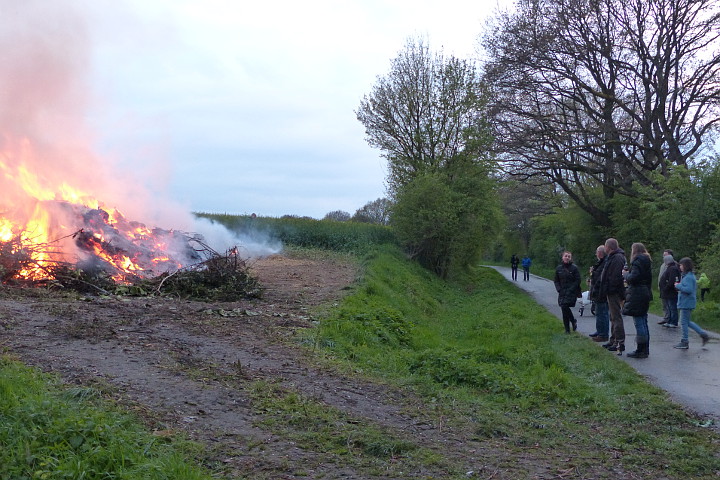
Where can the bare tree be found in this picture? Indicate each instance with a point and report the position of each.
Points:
(377, 211)
(425, 115)
(337, 215)
(594, 95)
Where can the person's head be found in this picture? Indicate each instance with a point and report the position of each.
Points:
(668, 259)
(611, 245)
(686, 265)
(600, 252)
(638, 249)
(567, 257)
(667, 252)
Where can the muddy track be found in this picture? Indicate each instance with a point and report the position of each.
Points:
(187, 366)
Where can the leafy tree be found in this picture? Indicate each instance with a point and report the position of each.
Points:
(595, 95)
(377, 211)
(443, 225)
(427, 117)
(425, 114)
(680, 216)
(337, 215)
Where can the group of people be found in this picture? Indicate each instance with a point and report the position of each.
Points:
(619, 288)
(526, 262)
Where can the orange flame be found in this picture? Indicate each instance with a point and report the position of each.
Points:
(35, 212)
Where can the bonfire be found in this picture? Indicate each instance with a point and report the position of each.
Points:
(62, 237)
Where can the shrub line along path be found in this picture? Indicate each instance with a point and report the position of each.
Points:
(691, 377)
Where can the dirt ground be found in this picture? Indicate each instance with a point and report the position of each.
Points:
(184, 365)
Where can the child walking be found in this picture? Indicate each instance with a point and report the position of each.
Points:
(687, 300)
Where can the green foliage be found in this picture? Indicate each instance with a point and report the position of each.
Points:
(347, 237)
(569, 228)
(677, 212)
(444, 224)
(51, 433)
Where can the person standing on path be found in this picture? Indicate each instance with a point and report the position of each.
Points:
(612, 285)
(663, 267)
(567, 284)
(704, 285)
(637, 302)
(668, 294)
(602, 318)
(526, 262)
(687, 300)
(514, 262)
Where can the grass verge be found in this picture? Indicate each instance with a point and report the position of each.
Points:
(490, 356)
(50, 432)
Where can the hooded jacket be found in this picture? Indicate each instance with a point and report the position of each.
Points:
(639, 279)
(668, 278)
(611, 279)
(567, 284)
(595, 291)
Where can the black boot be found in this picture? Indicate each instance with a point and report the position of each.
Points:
(643, 348)
(641, 351)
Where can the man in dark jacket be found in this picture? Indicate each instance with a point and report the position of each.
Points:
(602, 318)
(612, 285)
(668, 294)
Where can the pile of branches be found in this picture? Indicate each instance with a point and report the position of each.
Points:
(219, 277)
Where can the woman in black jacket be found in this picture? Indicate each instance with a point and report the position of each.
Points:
(637, 301)
(567, 284)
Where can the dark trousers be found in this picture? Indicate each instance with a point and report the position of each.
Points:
(568, 319)
(514, 273)
(617, 327)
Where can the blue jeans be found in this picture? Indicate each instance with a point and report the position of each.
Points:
(685, 314)
(671, 310)
(641, 329)
(602, 319)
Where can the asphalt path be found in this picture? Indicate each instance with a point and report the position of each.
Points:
(691, 377)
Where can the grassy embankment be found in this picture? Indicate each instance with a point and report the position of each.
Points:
(50, 431)
(482, 352)
(479, 353)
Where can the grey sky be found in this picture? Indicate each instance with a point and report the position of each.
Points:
(240, 107)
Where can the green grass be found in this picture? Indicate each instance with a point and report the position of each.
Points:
(50, 432)
(480, 349)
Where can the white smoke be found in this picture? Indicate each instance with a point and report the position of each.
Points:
(250, 245)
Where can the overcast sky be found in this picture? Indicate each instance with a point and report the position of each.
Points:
(231, 106)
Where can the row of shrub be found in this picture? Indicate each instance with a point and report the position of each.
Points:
(305, 232)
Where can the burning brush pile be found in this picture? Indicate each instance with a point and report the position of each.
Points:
(54, 227)
(105, 253)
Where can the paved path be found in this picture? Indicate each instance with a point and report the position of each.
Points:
(691, 377)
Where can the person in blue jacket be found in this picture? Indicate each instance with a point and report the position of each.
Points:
(687, 300)
(526, 262)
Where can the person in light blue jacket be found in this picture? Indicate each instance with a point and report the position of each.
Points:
(687, 300)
